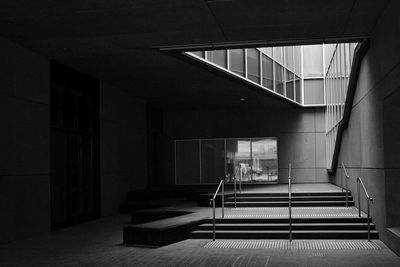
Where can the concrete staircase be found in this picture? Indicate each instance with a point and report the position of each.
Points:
(281, 199)
(308, 226)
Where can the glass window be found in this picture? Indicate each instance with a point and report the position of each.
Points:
(329, 50)
(289, 57)
(187, 162)
(267, 51)
(278, 78)
(289, 84)
(218, 57)
(238, 159)
(312, 61)
(314, 91)
(297, 60)
(253, 65)
(198, 53)
(212, 161)
(297, 85)
(264, 154)
(236, 61)
(278, 55)
(267, 72)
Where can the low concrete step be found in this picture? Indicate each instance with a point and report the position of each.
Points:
(329, 234)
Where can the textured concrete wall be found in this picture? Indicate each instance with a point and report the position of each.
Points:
(300, 132)
(24, 143)
(123, 152)
(370, 146)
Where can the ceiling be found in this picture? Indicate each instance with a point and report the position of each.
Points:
(116, 41)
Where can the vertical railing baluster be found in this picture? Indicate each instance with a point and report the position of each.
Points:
(359, 200)
(290, 201)
(369, 223)
(214, 219)
(235, 190)
(223, 199)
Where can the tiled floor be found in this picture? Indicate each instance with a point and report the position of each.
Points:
(98, 243)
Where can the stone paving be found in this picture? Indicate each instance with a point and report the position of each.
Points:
(98, 243)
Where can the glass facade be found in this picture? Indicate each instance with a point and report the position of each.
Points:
(253, 65)
(279, 86)
(267, 72)
(218, 57)
(290, 84)
(207, 161)
(296, 73)
(236, 61)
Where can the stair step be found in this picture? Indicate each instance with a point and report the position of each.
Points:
(285, 204)
(294, 194)
(286, 220)
(295, 226)
(286, 198)
(330, 234)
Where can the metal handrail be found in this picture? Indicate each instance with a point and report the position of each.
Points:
(290, 201)
(369, 199)
(212, 200)
(347, 184)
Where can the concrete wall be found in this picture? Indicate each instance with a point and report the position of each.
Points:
(300, 132)
(24, 143)
(123, 146)
(370, 147)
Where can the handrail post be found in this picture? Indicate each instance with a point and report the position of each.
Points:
(359, 200)
(235, 189)
(290, 201)
(342, 180)
(223, 199)
(221, 184)
(347, 193)
(240, 185)
(290, 220)
(214, 219)
(369, 223)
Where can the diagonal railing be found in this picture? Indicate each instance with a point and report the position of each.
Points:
(369, 200)
(212, 200)
(347, 184)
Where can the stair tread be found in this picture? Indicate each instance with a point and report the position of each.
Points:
(276, 202)
(285, 224)
(285, 231)
(284, 197)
